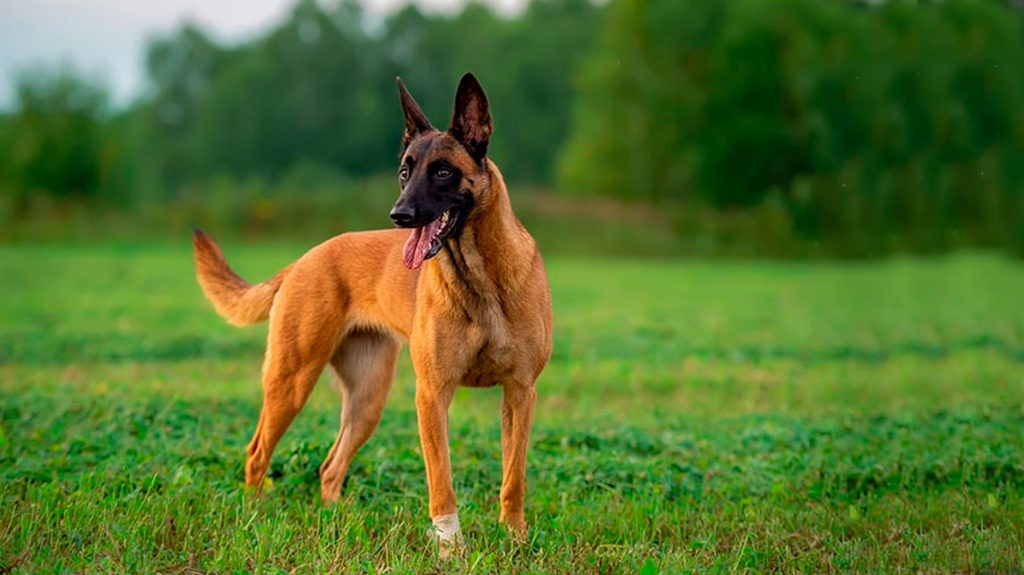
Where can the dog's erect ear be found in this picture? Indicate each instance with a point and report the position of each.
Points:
(471, 122)
(416, 121)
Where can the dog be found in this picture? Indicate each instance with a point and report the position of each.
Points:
(460, 280)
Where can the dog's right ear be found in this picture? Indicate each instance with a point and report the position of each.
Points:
(416, 121)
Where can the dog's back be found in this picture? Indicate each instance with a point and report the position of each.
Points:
(344, 261)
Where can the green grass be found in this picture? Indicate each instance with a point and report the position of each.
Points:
(696, 416)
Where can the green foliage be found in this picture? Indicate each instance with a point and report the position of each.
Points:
(891, 127)
(316, 89)
(54, 139)
(695, 417)
(319, 88)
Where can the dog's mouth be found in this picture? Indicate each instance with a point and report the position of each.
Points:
(426, 241)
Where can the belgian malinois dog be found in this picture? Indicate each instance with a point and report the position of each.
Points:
(462, 282)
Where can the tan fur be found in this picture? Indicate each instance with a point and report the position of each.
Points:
(234, 298)
(477, 314)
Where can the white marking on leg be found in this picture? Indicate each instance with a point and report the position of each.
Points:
(448, 533)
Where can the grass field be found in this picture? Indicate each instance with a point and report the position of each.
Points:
(705, 417)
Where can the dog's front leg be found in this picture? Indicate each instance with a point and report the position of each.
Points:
(516, 418)
(432, 410)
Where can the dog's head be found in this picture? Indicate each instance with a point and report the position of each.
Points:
(442, 174)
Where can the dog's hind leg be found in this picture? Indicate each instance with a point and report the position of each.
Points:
(290, 371)
(284, 394)
(365, 367)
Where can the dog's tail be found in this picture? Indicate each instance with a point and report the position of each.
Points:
(238, 301)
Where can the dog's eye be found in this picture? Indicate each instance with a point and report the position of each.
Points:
(443, 173)
(403, 174)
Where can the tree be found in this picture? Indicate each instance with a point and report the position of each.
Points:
(56, 134)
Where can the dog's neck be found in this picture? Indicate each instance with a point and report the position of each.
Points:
(494, 253)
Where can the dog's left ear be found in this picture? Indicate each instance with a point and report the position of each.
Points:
(471, 121)
(416, 121)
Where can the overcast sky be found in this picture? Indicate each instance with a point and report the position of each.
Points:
(107, 37)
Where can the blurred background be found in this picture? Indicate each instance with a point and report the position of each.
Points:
(791, 128)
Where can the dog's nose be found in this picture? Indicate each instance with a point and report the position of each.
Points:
(402, 215)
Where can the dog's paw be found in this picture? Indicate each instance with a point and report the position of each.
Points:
(257, 489)
(515, 523)
(448, 534)
(451, 549)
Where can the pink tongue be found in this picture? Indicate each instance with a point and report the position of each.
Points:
(418, 244)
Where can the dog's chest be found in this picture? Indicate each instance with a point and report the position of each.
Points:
(490, 350)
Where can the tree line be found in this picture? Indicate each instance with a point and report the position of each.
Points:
(868, 127)
(318, 88)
